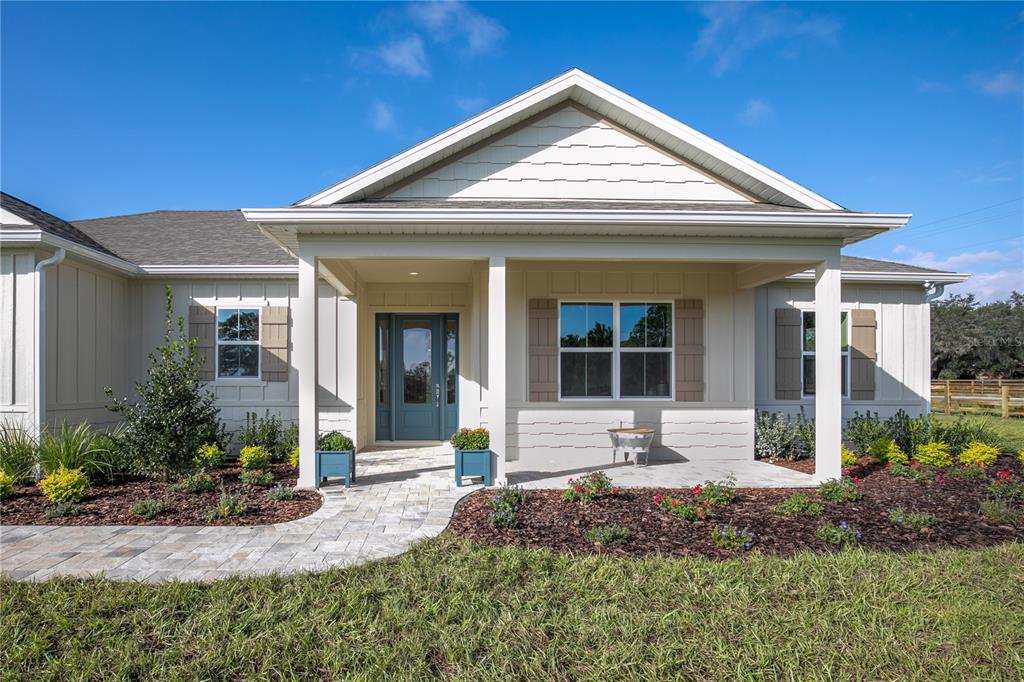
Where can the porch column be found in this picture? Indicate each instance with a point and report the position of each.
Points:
(496, 414)
(828, 398)
(304, 357)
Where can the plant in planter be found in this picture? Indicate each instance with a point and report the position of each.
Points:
(473, 456)
(335, 457)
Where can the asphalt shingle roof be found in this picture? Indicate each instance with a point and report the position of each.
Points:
(47, 222)
(186, 238)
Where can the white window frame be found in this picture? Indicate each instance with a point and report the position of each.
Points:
(238, 342)
(805, 353)
(616, 350)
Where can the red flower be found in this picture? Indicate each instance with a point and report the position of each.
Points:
(696, 490)
(675, 503)
(856, 479)
(579, 488)
(888, 464)
(915, 464)
(658, 499)
(615, 491)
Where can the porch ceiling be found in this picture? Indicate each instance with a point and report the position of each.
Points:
(400, 270)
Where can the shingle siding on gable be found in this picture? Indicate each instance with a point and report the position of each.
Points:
(568, 154)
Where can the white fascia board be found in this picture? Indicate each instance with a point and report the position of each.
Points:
(883, 277)
(221, 270)
(547, 94)
(41, 238)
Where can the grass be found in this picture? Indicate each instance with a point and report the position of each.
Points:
(450, 608)
(1010, 430)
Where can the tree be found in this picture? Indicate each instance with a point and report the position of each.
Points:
(175, 414)
(970, 340)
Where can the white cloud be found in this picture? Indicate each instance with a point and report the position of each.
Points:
(405, 56)
(1004, 83)
(755, 111)
(997, 173)
(448, 21)
(382, 117)
(470, 105)
(734, 29)
(928, 259)
(991, 286)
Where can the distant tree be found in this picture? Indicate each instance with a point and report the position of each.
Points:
(970, 340)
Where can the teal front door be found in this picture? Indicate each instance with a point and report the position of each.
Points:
(417, 377)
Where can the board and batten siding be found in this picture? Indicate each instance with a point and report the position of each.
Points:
(17, 320)
(567, 154)
(903, 366)
(572, 433)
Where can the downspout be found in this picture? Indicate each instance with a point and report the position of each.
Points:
(933, 291)
(39, 414)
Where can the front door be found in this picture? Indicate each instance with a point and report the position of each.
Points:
(417, 366)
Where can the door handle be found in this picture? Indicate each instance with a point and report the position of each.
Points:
(437, 395)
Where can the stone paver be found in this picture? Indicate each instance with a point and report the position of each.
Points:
(400, 497)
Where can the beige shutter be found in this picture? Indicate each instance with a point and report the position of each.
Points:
(787, 354)
(543, 340)
(202, 326)
(689, 349)
(862, 354)
(274, 343)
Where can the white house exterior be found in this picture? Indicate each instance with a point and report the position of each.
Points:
(568, 261)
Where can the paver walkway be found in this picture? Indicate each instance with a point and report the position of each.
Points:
(401, 496)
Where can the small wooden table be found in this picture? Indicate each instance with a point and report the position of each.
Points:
(635, 441)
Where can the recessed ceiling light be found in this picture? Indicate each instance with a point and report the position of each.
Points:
(414, 273)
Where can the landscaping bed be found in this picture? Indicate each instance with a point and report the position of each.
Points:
(544, 519)
(112, 503)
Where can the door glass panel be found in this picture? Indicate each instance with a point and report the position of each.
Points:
(451, 333)
(382, 362)
(417, 342)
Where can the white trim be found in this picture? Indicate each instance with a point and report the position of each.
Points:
(882, 277)
(22, 236)
(571, 85)
(268, 270)
(844, 310)
(218, 342)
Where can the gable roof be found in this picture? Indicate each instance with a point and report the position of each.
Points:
(600, 99)
(186, 237)
(51, 224)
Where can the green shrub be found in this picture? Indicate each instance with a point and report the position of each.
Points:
(907, 519)
(967, 472)
(1001, 511)
(608, 535)
(690, 512)
(979, 454)
(260, 477)
(175, 414)
(6, 485)
(863, 430)
(588, 488)
(716, 494)
(75, 447)
(839, 491)
(291, 436)
(962, 433)
(281, 492)
(843, 535)
(1020, 456)
(18, 452)
(209, 457)
(847, 457)
(266, 432)
(199, 482)
(886, 451)
(727, 536)
(908, 432)
(504, 506)
(800, 503)
(934, 454)
(804, 437)
(775, 437)
(150, 509)
(912, 471)
(334, 441)
(471, 439)
(254, 457)
(228, 506)
(65, 485)
(293, 457)
(62, 509)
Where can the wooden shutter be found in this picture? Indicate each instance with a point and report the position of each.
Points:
(202, 325)
(787, 354)
(862, 354)
(274, 343)
(689, 349)
(543, 341)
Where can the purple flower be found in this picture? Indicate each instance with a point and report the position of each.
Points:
(859, 536)
(844, 525)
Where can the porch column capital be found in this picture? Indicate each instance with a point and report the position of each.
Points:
(828, 398)
(496, 384)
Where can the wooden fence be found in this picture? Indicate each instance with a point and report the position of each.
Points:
(1001, 396)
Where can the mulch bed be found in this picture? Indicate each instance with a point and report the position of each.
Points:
(545, 521)
(111, 503)
(805, 466)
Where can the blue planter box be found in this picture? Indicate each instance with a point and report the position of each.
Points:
(474, 463)
(330, 464)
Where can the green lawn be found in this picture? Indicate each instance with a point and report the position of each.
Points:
(1010, 430)
(451, 608)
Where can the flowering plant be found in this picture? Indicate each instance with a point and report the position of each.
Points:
(1007, 486)
(843, 535)
(690, 512)
(588, 488)
(716, 494)
(729, 537)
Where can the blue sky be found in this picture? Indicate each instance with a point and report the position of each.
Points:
(120, 108)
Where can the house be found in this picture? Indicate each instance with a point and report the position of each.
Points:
(565, 262)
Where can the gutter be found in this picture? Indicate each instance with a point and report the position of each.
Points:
(39, 394)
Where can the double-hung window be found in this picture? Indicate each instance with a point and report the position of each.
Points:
(615, 350)
(238, 342)
(808, 351)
